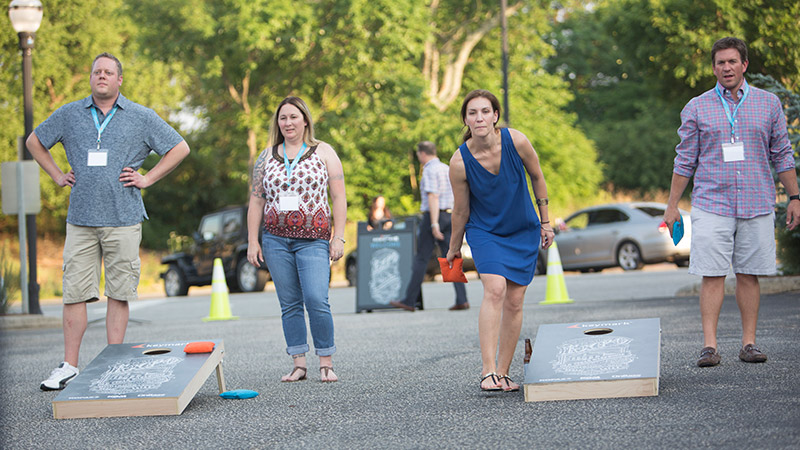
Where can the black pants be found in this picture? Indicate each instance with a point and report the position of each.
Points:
(425, 246)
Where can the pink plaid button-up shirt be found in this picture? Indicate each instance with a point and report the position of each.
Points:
(741, 189)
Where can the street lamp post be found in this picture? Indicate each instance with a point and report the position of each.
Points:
(26, 16)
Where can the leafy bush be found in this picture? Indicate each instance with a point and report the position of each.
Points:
(9, 279)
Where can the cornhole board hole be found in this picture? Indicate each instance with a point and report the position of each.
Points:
(617, 358)
(144, 379)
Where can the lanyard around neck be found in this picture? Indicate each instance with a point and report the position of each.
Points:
(101, 128)
(727, 108)
(290, 167)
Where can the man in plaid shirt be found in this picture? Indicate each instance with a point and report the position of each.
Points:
(434, 230)
(729, 137)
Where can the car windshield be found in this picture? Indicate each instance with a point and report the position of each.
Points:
(653, 211)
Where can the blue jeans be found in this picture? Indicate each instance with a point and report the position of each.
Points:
(300, 269)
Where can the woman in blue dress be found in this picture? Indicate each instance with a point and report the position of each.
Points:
(494, 208)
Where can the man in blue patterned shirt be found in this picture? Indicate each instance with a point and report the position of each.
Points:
(106, 138)
(729, 137)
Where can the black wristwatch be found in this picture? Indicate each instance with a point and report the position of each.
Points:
(794, 197)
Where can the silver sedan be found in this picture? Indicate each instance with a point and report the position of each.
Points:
(627, 235)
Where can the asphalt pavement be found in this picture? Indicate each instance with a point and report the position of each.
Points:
(410, 380)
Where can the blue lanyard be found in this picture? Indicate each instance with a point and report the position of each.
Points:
(102, 127)
(727, 108)
(290, 168)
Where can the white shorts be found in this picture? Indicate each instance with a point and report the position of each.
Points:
(719, 242)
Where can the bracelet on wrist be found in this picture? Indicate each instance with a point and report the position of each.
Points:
(794, 197)
(341, 239)
(434, 225)
(546, 221)
(542, 201)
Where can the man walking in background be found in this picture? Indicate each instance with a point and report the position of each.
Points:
(729, 136)
(106, 138)
(437, 204)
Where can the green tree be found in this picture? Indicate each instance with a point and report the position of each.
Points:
(788, 240)
(70, 36)
(633, 65)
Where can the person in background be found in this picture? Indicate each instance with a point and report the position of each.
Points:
(434, 229)
(729, 136)
(380, 218)
(301, 232)
(106, 138)
(493, 207)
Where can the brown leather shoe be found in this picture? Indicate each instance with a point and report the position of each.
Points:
(459, 306)
(750, 353)
(708, 357)
(402, 305)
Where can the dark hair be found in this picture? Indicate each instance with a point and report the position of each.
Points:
(473, 95)
(726, 43)
(427, 147)
(275, 135)
(373, 206)
(109, 56)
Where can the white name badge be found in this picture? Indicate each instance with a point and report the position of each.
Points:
(733, 152)
(98, 158)
(289, 203)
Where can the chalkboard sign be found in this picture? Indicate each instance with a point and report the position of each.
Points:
(384, 260)
(138, 380)
(616, 358)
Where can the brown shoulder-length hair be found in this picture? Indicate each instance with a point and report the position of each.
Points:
(374, 206)
(275, 135)
(473, 95)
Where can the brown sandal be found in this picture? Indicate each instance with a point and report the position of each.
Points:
(325, 370)
(296, 368)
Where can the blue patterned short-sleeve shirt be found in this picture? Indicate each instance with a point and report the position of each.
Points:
(98, 198)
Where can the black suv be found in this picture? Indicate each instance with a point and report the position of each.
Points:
(221, 234)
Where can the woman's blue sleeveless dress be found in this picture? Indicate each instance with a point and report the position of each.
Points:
(503, 228)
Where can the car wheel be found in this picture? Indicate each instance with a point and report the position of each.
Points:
(248, 277)
(629, 257)
(351, 272)
(174, 282)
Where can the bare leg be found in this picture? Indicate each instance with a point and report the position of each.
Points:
(748, 297)
(494, 293)
(117, 313)
(75, 322)
(327, 375)
(712, 292)
(510, 327)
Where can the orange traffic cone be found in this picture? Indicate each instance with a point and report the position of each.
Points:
(556, 291)
(220, 308)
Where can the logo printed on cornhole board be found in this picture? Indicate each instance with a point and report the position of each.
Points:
(619, 358)
(143, 379)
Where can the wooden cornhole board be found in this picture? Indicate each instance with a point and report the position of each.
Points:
(617, 358)
(144, 379)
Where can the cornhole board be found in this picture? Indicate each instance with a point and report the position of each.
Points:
(142, 379)
(606, 359)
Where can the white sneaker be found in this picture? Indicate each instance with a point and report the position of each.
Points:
(59, 377)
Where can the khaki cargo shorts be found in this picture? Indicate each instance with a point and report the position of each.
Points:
(86, 248)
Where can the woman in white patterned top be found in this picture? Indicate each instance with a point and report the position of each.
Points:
(289, 205)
